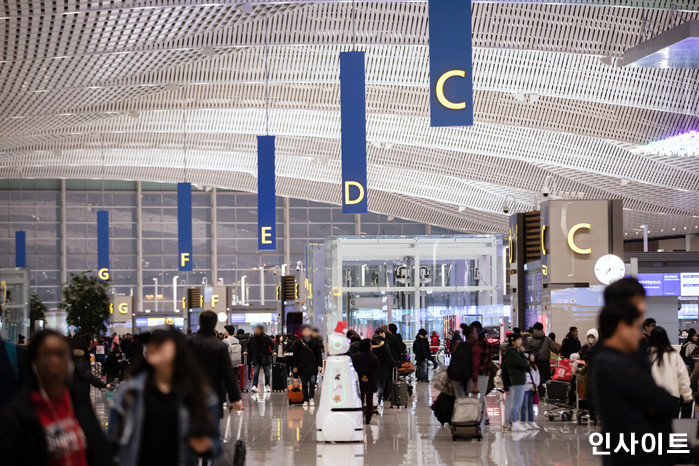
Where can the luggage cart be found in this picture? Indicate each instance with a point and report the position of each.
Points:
(582, 404)
(556, 400)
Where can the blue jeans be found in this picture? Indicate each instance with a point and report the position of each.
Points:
(527, 412)
(256, 374)
(423, 367)
(308, 386)
(514, 408)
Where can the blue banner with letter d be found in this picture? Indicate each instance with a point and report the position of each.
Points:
(103, 271)
(353, 116)
(184, 226)
(266, 195)
(451, 71)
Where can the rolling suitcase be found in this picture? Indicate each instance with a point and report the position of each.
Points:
(399, 392)
(243, 377)
(279, 379)
(295, 393)
(466, 419)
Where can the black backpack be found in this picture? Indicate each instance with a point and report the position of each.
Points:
(683, 350)
(461, 363)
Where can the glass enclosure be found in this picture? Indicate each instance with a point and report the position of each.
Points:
(430, 282)
(14, 303)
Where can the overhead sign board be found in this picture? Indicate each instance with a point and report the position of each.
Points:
(451, 70)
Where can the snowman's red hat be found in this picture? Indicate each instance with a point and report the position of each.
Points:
(341, 327)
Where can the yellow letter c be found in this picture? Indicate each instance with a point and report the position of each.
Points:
(440, 89)
(571, 238)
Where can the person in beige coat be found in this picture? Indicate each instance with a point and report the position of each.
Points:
(667, 367)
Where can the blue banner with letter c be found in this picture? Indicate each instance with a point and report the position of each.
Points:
(353, 124)
(451, 70)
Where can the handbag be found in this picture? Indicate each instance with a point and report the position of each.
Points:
(536, 397)
(441, 382)
(239, 450)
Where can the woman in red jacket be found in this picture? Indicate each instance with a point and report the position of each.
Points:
(434, 347)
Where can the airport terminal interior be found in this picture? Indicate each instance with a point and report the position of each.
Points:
(339, 232)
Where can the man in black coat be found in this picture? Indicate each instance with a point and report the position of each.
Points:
(366, 364)
(386, 363)
(627, 398)
(571, 343)
(421, 348)
(259, 349)
(307, 361)
(212, 355)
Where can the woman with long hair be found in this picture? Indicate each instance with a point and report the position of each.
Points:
(165, 413)
(46, 423)
(667, 367)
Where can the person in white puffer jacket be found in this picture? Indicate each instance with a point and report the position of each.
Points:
(667, 367)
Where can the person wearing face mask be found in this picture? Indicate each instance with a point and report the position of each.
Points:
(166, 413)
(308, 361)
(47, 423)
(590, 340)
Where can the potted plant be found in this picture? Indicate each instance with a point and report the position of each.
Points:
(37, 311)
(86, 302)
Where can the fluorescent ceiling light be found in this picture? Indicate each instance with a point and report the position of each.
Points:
(683, 145)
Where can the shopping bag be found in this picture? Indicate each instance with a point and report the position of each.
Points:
(563, 371)
(442, 383)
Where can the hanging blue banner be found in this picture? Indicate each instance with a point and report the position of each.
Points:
(20, 249)
(184, 226)
(451, 71)
(103, 271)
(266, 195)
(353, 125)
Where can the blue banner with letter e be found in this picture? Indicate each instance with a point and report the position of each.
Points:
(353, 116)
(103, 271)
(20, 249)
(266, 195)
(184, 226)
(451, 71)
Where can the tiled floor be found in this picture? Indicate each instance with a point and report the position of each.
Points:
(276, 433)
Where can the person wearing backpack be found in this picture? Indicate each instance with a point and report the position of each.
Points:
(689, 349)
(542, 347)
(460, 368)
(235, 349)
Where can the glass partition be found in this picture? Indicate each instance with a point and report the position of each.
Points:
(430, 282)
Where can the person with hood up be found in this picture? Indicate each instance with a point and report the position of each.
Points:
(455, 340)
(366, 364)
(421, 348)
(570, 344)
(386, 361)
(591, 339)
(541, 346)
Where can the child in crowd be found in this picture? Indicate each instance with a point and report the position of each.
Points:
(532, 385)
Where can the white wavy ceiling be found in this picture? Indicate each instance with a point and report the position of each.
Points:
(162, 91)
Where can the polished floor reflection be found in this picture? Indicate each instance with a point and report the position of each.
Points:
(276, 433)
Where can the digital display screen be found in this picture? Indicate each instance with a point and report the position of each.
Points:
(670, 284)
(253, 318)
(159, 321)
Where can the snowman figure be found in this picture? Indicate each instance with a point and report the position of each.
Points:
(339, 416)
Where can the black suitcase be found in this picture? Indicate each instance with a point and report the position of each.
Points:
(279, 380)
(443, 407)
(399, 391)
(557, 390)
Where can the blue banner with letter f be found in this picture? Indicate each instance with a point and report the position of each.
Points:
(266, 195)
(184, 226)
(103, 271)
(353, 116)
(451, 71)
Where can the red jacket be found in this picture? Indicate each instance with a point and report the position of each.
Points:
(434, 343)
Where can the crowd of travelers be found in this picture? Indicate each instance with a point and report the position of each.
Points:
(173, 389)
